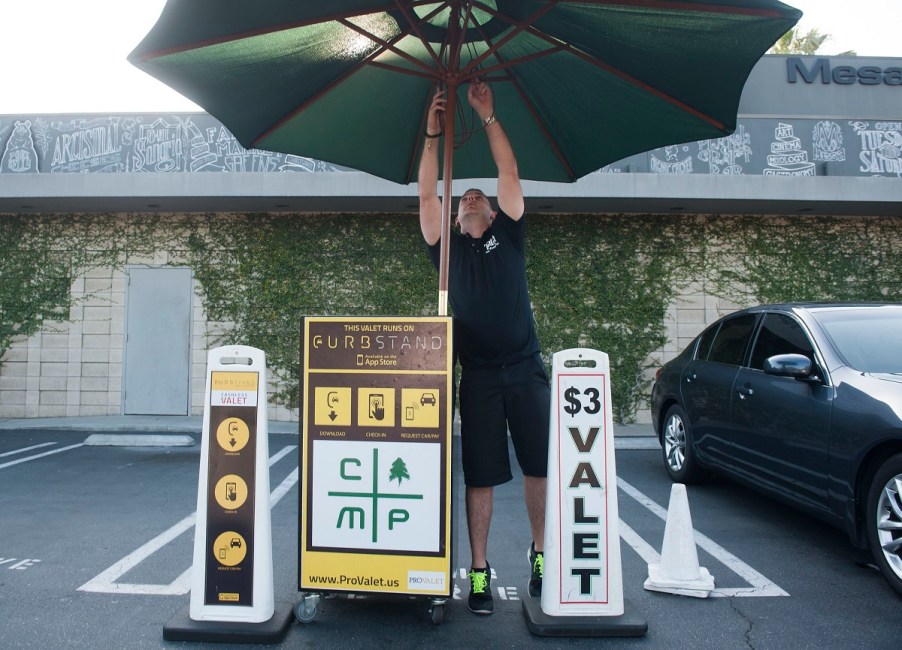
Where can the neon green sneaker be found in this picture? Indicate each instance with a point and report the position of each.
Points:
(537, 566)
(480, 600)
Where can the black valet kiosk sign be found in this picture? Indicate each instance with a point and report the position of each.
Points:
(230, 514)
(232, 578)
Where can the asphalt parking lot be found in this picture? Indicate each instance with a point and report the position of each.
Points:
(96, 548)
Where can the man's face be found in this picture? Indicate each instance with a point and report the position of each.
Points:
(474, 204)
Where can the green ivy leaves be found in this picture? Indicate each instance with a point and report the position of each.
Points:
(604, 282)
(41, 255)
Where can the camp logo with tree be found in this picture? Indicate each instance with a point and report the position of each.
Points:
(398, 471)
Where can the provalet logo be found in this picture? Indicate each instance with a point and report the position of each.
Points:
(491, 244)
(425, 581)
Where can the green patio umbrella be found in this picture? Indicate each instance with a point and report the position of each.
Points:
(578, 84)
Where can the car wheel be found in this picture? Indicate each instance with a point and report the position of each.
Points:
(676, 442)
(884, 520)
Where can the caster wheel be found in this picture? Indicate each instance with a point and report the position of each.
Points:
(437, 613)
(305, 609)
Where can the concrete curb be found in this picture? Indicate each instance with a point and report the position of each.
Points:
(137, 440)
(636, 442)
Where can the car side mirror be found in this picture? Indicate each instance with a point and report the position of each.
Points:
(797, 366)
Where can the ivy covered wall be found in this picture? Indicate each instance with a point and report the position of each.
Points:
(608, 282)
(40, 258)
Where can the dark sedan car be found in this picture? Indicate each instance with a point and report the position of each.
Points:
(802, 402)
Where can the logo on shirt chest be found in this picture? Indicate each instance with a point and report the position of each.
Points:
(491, 244)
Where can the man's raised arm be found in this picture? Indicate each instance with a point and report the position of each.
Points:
(430, 204)
(510, 192)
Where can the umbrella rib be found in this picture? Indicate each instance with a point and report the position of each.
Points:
(518, 28)
(506, 65)
(431, 74)
(415, 26)
(368, 60)
(469, 73)
(237, 36)
(531, 107)
(385, 44)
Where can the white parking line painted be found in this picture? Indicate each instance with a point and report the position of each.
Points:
(24, 449)
(281, 454)
(277, 494)
(760, 585)
(643, 548)
(36, 456)
(105, 582)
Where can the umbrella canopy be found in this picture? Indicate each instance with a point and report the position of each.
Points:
(577, 84)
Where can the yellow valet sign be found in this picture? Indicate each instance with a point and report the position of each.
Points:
(375, 513)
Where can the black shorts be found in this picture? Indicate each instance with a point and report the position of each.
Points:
(515, 396)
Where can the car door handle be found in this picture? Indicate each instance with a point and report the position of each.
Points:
(745, 391)
(691, 378)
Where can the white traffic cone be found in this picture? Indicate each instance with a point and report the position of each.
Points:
(679, 572)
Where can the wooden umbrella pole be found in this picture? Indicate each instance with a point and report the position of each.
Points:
(452, 82)
(447, 198)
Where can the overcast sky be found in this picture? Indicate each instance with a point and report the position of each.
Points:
(68, 56)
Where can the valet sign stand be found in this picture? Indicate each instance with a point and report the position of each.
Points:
(375, 460)
(232, 596)
(582, 590)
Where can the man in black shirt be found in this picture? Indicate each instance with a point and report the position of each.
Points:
(503, 381)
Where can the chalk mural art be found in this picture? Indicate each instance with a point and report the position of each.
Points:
(786, 155)
(881, 148)
(827, 141)
(19, 155)
(723, 155)
(677, 160)
(135, 144)
(197, 143)
(83, 145)
(719, 155)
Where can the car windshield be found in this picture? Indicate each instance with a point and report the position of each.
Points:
(868, 338)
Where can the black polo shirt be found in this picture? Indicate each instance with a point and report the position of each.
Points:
(493, 319)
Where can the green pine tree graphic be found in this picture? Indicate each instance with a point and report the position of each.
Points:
(398, 471)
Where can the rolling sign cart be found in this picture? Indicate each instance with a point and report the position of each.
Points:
(375, 458)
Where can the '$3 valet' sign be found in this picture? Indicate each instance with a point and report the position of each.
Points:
(582, 552)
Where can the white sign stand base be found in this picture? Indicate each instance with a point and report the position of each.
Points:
(182, 627)
(582, 591)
